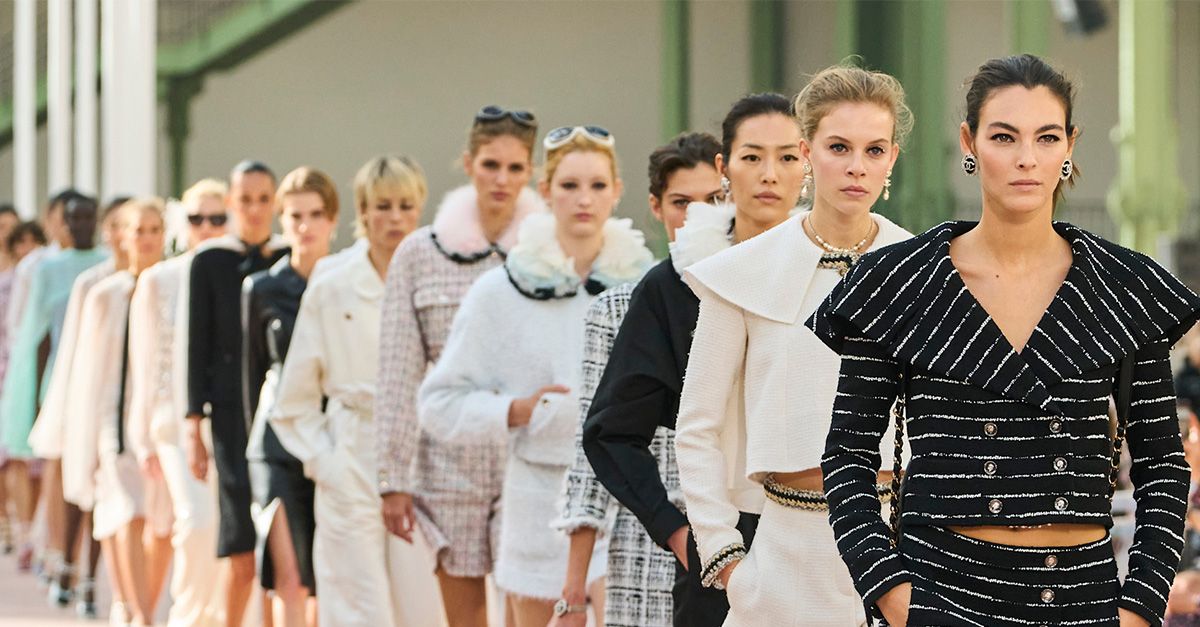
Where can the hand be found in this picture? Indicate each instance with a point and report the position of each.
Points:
(726, 573)
(894, 604)
(398, 515)
(1131, 619)
(197, 453)
(151, 469)
(520, 411)
(678, 544)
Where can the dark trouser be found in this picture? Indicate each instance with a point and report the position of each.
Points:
(959, 580)
(695, 604)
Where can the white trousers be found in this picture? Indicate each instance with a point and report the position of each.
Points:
(197, 578)
(793, 575)
(366, 576)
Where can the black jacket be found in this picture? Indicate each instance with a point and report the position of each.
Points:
(1000, 437)
(638, 393)
(270, 302)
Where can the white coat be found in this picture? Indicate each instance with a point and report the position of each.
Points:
(365, 575)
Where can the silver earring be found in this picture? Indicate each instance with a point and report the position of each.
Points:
(725, 188)
(887, 186)
(1067, 169)
(969, 164)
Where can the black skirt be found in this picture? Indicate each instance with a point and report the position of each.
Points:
(284, 480)
(235, 531)
(959, 580)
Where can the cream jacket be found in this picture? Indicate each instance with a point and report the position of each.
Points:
(758, 393)
(334, 353)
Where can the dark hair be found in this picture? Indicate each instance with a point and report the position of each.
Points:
(60, 199)
(7, 208)
(81, 200)
(1029, 72)
(23, 230)
(684, 151)
(751, 106)
(113, 204)
(250, 166)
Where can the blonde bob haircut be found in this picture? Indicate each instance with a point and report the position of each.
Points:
(305, 179)
(578, 143)
(204, 188)
(846, 83)
(132, 209)
(391, 176)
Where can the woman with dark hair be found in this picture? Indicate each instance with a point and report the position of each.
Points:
(450, 491)
(1001, 342)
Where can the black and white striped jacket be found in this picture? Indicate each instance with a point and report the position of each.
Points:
(1000, 437)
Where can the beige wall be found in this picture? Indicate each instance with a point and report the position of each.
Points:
(382, 76)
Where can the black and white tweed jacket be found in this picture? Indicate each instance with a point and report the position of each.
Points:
(1000, 437)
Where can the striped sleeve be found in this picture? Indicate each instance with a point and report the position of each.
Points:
(867, 388)
(1160, 481)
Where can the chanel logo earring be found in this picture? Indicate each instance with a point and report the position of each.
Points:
(969, 164)
(725, 188)
(805, 189)
(1067, 169)
(887, 186)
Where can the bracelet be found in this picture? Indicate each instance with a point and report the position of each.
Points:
(710, 574)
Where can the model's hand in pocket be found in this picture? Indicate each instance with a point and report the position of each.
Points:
(894, 605)
(521, 409)
(1131, 619)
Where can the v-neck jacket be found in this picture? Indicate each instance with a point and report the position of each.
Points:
(1000, 437)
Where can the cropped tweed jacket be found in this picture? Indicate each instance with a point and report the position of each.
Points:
(1000, 437)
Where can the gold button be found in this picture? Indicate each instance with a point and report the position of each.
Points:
(1047, 595)
(1051, 561)
(990, 428)
(995, 505)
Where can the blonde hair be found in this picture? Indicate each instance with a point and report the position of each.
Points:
(205, 188)
(133, 208)
(578, 143)
(387, 175)
(305, 179)
(846, 83)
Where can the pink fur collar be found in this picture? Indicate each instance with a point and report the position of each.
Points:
(458, 229)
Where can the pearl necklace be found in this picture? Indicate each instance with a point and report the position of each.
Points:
(840, 259)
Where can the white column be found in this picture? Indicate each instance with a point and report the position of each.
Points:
(25, 108)
(58, 94)
(85, 96)
(128, 98)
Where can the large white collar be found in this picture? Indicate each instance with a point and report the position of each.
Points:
(458, 232)
(706, 231)
(538, 267)
(782, 259)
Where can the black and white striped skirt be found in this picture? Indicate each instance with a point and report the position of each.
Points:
(958, 580)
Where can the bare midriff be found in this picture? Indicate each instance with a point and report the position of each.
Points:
(811, 479)
(1055, 534)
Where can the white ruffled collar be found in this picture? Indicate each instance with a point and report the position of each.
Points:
(539, 269)
(458, 233)
(706, 231)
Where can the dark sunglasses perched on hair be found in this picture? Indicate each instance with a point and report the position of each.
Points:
(562, 135)
(493, 113)
(216, 219)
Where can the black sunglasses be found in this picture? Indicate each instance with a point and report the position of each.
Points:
(493, 113)
(216, 219)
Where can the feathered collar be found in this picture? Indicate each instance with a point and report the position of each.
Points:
(706, 231)
(458, 233)
(539, 269)
(911, 299)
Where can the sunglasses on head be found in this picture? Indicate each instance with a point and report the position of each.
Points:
(493, 113)
(216, 219)
(563, 135)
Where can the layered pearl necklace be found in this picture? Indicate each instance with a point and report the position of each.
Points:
(840, 259)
